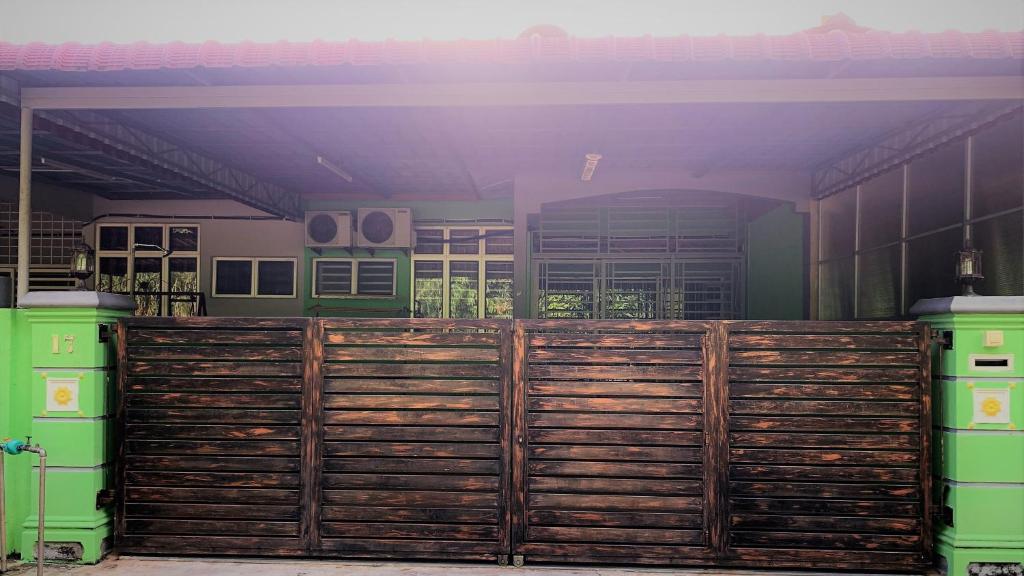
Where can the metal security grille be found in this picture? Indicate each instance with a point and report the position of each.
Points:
(631, 289)
(640, 256)
(53, 237)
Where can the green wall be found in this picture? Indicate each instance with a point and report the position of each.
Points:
(383, 306)
(15, 416)
(776, 266)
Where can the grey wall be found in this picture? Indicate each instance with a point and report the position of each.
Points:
(222, 238)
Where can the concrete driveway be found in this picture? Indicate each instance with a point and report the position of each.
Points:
(135, 566)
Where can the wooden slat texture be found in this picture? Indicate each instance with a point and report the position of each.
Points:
(211, 416)
(414, 449)
(730, 443)
(613, 448)
(825, 449)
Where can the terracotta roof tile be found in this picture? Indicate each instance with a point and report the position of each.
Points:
(825, 46)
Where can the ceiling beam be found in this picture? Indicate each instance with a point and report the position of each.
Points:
(528, 93)
(905, 144)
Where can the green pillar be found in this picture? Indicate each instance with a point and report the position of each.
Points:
(979, 431)
(72, 386)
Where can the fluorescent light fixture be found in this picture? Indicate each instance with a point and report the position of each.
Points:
(589, 165)
(334, 168)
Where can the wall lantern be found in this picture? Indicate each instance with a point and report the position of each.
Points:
(968, 268)
(82, 263)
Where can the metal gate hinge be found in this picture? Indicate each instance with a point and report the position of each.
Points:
(105, 498)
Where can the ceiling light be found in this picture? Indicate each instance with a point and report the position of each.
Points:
(589, 165)
(334, 168)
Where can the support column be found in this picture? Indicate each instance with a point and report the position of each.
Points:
(72, 387)
(25, 203)
(521, 255)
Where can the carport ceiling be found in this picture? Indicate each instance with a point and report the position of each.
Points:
(470, 152)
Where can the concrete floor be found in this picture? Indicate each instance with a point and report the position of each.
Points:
(135, 566)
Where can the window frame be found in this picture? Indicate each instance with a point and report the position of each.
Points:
(164, 255)
(446, 258)
(354, 287)
(254, 277)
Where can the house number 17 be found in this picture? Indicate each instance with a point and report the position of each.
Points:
(69, 342)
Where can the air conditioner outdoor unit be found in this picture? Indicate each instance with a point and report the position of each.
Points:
(328, 229)
(384, 228)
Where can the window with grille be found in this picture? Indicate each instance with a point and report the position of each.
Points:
(349, 277)
(151, 261)
(463, 271)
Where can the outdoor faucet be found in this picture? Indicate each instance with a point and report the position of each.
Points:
(13, 448)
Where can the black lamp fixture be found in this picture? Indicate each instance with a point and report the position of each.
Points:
(968, 268)
(83, 263)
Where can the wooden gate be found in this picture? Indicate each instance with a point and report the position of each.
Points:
(802, 444)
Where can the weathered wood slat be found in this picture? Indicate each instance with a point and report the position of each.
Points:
(822, 407)
(804, 440)
(411, 433)
(613, 535)
(774, 522)
(832, 559)
(411, 417)
(405, 338)
(186, 463)
(207, 337)
(411, 498)
(614, 502)
(823, 424)
(592, 553)
(234, 385)
(411, 482)
(632, 405)
(616, 519)
(825, 506)
(557, 484)
(421, 354)
(411, 466)
(614, 326)
(197, 400)
(824, 327)
(829, 540)
(417, 402)
(410, 530)
(413, 450)
(211, 432)
(824, 341)
(821, 357)
(212, 416)
(822, 473)
(613, 356)
(394, 370)
(220, 511)
(615, 437)
(639, 389)
(412, 548)
(615, 453)
(215, 323)
(191, 545)
(599, 420)
(823, 374)
(853, 391)
(605, 340)
(254, 497)
(207, 352)
(872, 491)
(227, 479)
(215, 447)
(614, 469)
(408, 386)
(334, 325)
(236, 527)
(179, 368)
(592, 372)
(336, 513)
(820, 456)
